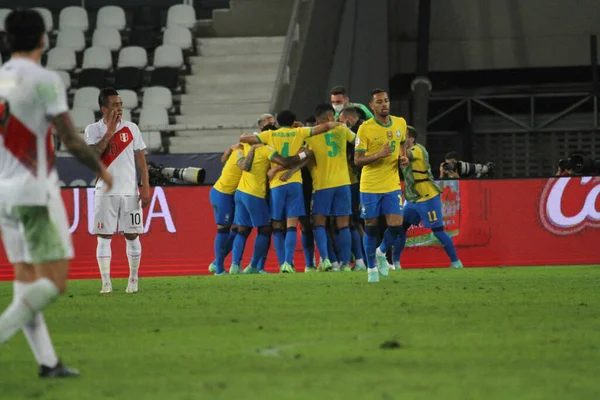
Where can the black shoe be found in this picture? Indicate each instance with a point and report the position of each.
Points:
(58, 371)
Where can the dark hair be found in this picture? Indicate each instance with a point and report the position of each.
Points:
(339, 90)
(376, 91)
(310, 120)
(105, 93)
(353, 111)
(452, 155)
(324, 108)
(411, 132)
(24, 29)
(286, 118)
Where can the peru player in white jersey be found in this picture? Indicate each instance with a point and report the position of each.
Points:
(120, 146)
(33, 222)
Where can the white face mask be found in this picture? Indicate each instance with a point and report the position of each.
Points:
(338, 107)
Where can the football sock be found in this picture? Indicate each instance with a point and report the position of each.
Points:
(308, 246)
(221, 243)
(263, 261)
(291, 237)
(399, 247)
(389, 237)
(356, 244)
(330, 249)
(134, 255)
(446, 241)
(229, 244)
(321, 240)
(344, 241)
(261, 245)
(370, 243)
(36, 333)
(103, 255)
(23, 308)
(279, 242)
(239, 244)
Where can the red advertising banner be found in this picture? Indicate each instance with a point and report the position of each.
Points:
(493, 223)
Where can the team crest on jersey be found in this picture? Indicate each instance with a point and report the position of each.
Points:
(100, 225)
(124, 136)
(390, 135)
(227, 217)
(398, 134)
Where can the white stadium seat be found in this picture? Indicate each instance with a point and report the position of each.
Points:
(111, 17)
(82, 116)
(65, 77)
(181, 15)
(157, 96)
(71, 38)
(61, 59)
(152, 116)
(73, 17)
(46, 42)
(133, 56)
(178, 36)
(87, 97)
(126, 114)
(97, 57)
(47, 16)
(152, 140)
(129, 97)
(168, 56)
(107, 37)
(3, 14)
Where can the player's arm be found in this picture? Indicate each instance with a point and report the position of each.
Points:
(111, 129)
(228, 152)
(293, 161)
(361, 147)
(140, 159)
(246, 162)
(310, 157)
(322, 128)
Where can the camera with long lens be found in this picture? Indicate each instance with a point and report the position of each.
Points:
(466, 169)
(161, 175)
(580, 164)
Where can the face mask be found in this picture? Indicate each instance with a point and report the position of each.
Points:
(338, 107)
(269, 127)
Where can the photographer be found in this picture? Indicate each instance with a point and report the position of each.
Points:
(578, 163)
(452, 168)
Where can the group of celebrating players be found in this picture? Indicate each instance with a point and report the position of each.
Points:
(325, 176)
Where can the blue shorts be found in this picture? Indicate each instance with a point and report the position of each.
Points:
(374, 205)
(429, 211)
(332, 202)
(287, 201)
(223, 206)
(355, 193)
(250, 210)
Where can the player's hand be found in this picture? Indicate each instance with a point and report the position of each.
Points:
(112, 123)
(145, 196)
(286, 176)
(107, 179)
(385, 151)
(272, 172)
(297, 124)
(256, 146)
(404, 161)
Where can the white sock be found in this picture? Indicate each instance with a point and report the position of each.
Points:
(37, 333)
(379, 252)
(23, 308)
(103, 255)
(134, 255)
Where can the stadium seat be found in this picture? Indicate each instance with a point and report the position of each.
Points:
(66, 78)
(107, 37)
(129, 97)
(157, 96)
(112, 17)
(143, 37)
(71, 38)
(181, 15)
(178, 36)
(152, 140)
(93, 77)
(73, 17)
(46, 42)
(133, 56)
(47, 16)
(82, 116)
(61, 59)
(146, 17)
(87, 97)
(168, 56)
(165, 76)
(3, 14)
(153, 116)
(128, 78)
(126, 114)
(97, 57)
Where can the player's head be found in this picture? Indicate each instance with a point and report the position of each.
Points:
(25, 32)
(324, 113)
(310, 121)
(451, 156)
(380, 102)
(411, 136)
(109, 100)
(266, 119)
(349, 117)
(286, 118)
(339, 98)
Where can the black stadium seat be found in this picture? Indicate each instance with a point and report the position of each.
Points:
(128, 78)
(146, 17)
(94, 77)
(165, 76)
(143, 37)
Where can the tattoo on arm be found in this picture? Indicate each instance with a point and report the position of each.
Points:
(246, 162)
(100, 147)
(75, 143)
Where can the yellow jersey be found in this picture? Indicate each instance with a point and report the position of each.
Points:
(286, 142)
(381, 176)
(231, 173)
(254, 181)
(418, 179)
(331, 169)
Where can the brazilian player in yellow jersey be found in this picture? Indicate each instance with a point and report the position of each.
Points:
(380, 143)
(222, 202)
(423, 203)
(286, 196)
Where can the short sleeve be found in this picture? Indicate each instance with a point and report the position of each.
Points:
(361, 140)
(91, 135)
(350, 136)
(304, 132)
(52, 94)
(271, 152)
(403, 129)
(138, 141)
(239, 154)
(265, 137)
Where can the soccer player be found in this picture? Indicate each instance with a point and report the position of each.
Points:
(331, 195)
(423, 200)
(120, 146)
(251, 207)
(340, 100)
(286, 196)
(222, 202)
(33, 221)
(379, 146)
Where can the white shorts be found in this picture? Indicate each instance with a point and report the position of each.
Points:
(122, 211)
(36, 234)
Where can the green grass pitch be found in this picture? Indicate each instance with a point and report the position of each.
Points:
(493, 333)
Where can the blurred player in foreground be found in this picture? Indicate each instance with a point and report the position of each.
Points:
(423, 200)
(120, 145)
(35, 230)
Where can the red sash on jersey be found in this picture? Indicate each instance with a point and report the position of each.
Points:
(116, 145)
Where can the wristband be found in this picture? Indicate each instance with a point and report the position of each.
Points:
(302, 155)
